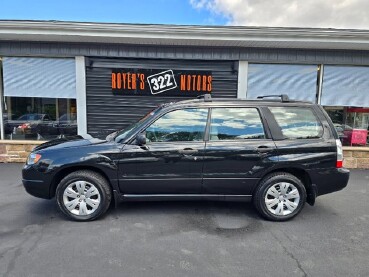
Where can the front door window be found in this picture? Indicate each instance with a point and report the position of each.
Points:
(180, 125)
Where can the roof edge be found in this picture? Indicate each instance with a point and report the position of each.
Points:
(70, 31)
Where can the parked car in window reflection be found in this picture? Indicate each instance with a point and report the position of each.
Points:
(67, 125)
(32, 126)
(7, 128)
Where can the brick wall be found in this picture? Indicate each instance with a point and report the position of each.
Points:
(356, 157)
(16, 151)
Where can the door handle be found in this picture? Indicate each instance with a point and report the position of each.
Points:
(264, 148)
(188, 151)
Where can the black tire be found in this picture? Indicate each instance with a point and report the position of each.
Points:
(266, 184)
(96, 180)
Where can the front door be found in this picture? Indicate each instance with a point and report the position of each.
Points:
(171, 160)
(237, 151)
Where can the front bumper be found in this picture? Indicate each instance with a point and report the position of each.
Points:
(36, 188)
(35, 182)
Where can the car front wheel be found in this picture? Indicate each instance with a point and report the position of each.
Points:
(280, 196)
(83, 195)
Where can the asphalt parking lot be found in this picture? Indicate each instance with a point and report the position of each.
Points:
(184, 238)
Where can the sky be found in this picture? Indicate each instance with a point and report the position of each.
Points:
(347, 14)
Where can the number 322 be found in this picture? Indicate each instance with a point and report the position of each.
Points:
(161, 82)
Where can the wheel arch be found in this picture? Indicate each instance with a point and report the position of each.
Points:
(301, 174)
(67, 170)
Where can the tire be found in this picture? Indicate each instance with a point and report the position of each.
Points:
(83, 195)
(280, 196)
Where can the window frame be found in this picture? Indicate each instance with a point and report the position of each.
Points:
(143, 130)
(267, 135)
(278, 129)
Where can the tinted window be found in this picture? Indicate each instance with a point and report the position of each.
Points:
(297, 123)
(180, 125)
(126, 132)
(235, 124)
(31, 117)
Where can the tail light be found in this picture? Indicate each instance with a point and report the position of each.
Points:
(339, 162)
(24, 126)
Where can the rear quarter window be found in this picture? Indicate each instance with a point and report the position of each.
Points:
(297, 122)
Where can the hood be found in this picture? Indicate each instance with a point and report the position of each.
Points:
(67, 142)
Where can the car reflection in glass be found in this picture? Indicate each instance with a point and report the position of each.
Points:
(39, 126)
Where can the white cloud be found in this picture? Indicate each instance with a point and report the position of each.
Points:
(291, 13)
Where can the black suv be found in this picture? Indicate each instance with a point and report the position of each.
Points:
(277, 153)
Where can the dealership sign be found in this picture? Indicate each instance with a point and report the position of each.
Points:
(161, 82)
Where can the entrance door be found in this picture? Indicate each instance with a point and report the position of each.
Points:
(171, 161)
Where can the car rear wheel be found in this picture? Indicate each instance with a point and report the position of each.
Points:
(83, 195)
(280, 196)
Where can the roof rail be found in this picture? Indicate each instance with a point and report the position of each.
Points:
(284, 97)
(206, 97)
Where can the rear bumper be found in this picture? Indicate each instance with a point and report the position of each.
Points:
(327, 181)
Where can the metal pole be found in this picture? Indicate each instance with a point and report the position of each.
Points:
(81, 95)
(242, 79)
(320, 84)
(1, 102)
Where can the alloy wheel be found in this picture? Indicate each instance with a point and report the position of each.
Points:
(81, 198)
(282, 199)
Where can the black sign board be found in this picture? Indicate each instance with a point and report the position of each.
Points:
(161, 82)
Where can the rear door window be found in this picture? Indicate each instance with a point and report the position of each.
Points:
(297, 122)
(235, 124)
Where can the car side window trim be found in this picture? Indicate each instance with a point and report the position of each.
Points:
(276, 129)
(143, 130)
(267, 135)
(207, 129)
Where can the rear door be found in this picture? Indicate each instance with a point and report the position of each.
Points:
(239, 148)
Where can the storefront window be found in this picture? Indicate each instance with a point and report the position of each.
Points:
(351, 123)
(299, 82)
(39, 118)
(39, 98)
(356, 126)
(345, 86)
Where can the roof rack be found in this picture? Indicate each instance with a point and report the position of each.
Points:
(206, 97)
(284, 97)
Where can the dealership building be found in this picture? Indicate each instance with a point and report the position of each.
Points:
(63, 78)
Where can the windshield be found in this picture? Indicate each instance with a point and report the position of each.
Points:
(126, 132)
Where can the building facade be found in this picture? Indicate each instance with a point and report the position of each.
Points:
(66, 78)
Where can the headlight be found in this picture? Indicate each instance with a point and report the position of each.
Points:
(33, 158)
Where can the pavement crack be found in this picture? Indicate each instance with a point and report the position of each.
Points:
(29, 232)
(289, 254)
(37, 241)
(11, 264)
(2, 254)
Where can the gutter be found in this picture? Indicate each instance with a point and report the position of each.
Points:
(218, 36)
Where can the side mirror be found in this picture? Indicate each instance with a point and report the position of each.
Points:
(141, 139)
